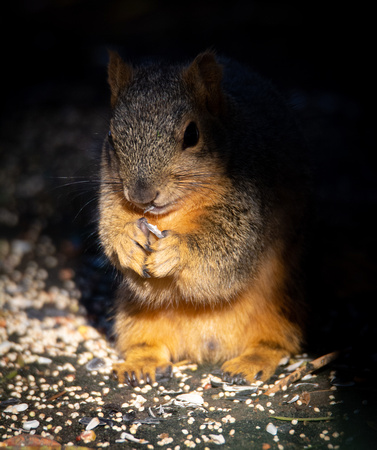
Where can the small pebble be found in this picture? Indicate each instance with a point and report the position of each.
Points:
(44, 360)
(192, 397)
(30, 424)
(271, 429)
(217, 439)
(15, 409)
(93, 424)
(88, 436)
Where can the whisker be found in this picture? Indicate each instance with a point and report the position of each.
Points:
(93, 234)
(85, 206)
(76, 181)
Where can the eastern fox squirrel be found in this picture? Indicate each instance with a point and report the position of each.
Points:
(209, 153)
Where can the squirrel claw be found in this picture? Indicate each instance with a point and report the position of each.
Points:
(142, 225)
(164, 373)
(131, 380)
(237, 379)
(125, 377)
(146, 274)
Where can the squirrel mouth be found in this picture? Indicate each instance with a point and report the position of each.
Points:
(153, 209)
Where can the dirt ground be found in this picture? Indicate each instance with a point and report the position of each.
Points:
(56, 289)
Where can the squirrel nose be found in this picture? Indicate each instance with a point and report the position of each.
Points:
(142, 194)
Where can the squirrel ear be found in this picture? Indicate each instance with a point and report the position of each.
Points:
(204, 77)
(119, 76)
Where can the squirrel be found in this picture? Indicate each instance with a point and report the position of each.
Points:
(209, 153)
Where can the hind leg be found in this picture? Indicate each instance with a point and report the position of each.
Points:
(256, 363)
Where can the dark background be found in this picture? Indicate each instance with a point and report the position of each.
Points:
(55, 108)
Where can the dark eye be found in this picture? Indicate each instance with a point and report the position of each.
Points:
(110, 139)
(191, 136)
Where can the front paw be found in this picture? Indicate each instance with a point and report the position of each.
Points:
(166, 256)
(131, 248)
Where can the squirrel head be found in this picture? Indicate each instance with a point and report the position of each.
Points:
(166, 137)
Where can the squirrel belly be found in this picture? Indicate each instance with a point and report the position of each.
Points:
(209, 154)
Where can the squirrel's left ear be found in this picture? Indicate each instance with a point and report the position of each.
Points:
(119, 76)
(204, 77)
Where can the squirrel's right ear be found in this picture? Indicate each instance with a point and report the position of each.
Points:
(119, 76)
(204, 77)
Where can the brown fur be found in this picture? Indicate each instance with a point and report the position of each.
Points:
(220, 285)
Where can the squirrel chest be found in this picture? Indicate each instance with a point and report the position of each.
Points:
(201, 210)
